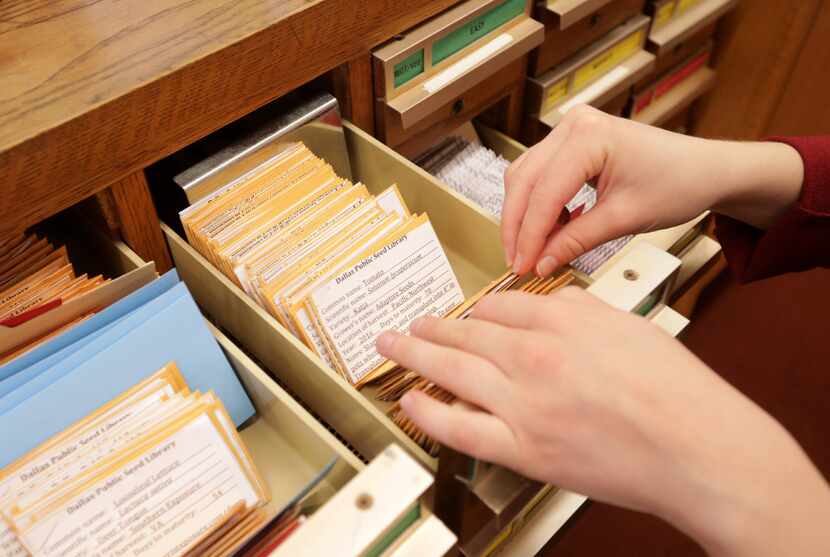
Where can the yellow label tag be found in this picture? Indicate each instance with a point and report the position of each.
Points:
(556, 93)
(663, 15)
(683, 5)
(606, 61)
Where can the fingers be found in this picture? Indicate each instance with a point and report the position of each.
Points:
(488, 340)
(469, 431)
(517, 310)
(520, 310)
(575, 163)
(467, 376)
(519, 180)
(581, 234)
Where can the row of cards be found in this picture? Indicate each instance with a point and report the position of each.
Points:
(477, 173)
(333, 264)
(159, 470)
(34, 277)
(398, 381)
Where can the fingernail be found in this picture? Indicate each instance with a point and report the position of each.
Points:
(546, 266)
(517, 264)
(385, 342)
(509, 259)
(415, 325)
(406, 402)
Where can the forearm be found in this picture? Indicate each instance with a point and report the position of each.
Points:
(757, 182)
(752, 492)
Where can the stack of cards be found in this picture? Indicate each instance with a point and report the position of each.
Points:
(471, 169)
(477, 173)
(397, 381)
(159, 470)
(333, 264)
(45, 391)
(35, 278)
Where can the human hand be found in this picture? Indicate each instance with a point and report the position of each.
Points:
(646, 179)
(567, 390)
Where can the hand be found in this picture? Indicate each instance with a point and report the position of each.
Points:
(646, 179)
(568, 390)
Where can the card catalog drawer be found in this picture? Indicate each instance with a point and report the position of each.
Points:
(287, 444)
(356, 415)
(423, 134)
(685, 49)
(472, 242)
(594, 76)
(440, 60)
(688, 18)
(571, 25)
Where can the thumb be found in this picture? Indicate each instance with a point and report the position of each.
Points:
(580, 235)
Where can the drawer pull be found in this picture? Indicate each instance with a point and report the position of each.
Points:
(631, 274)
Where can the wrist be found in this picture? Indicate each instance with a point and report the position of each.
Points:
(758, 181)
(766, 498)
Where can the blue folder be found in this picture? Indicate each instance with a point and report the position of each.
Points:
(126, 348)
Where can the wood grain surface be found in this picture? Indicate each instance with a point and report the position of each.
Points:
(139, 223)
(94, 90)
(759, 44)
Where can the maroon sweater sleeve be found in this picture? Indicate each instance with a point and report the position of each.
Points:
(800, 239)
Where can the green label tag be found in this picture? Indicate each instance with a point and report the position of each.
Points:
(409, 68)
(475, 29)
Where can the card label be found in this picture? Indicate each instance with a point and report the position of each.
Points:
(473, 30)
(556, 93)
(663, 15)
(684, 5)
(406, 279)
(409, 68)
(606, 61)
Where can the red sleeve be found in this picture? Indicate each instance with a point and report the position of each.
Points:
(800, 239)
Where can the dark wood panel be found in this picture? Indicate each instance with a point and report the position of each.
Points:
(758, 46)
(100, 89)
(354, 89)
(804, 108)
(139, 223)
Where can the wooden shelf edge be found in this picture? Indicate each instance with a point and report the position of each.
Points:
(678, 99)
(698, 17)
(571, 11)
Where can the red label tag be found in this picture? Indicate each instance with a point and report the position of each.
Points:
(18, 320)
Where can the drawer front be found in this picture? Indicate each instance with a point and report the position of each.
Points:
(448, 117)
(689, 20)
(684, 49)
(560, 44)
(430, 67)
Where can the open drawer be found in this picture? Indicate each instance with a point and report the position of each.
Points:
(471, 240)
(290, 448)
